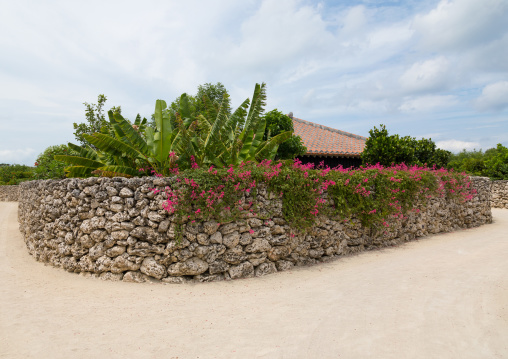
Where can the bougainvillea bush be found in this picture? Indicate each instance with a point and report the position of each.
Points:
(371, 194)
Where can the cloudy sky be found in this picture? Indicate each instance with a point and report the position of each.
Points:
(434, 68)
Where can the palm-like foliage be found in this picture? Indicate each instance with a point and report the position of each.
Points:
(236, 138)
(220, 138)
(122, 149)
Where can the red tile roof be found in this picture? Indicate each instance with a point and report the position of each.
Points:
(326, 141)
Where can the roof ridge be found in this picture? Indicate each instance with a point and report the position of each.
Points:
(330, 129)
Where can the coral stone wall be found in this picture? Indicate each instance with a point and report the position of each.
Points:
(115, 228)
(9, 193)
(499, 194)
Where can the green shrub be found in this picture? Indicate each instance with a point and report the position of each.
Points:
(387, 150)
(277, 123)
(46, 167)
(492, 163)
(14, 174)
(496, 163)
(471, 162)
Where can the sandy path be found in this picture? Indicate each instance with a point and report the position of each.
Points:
(445, 296)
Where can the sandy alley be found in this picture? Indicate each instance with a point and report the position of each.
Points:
(444, 296)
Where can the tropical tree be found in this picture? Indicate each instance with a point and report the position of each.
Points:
(235, 138)
(220, 138)
(276, 123)
(492, 163)
(195, 103)
(215, 94)
(386, 150)
(472, 162)
(497, 163)
(122, 150)
(95, 120)
(46, 167)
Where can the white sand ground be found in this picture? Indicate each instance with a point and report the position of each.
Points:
(444, 296)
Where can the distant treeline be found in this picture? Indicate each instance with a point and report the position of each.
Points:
(14, 174)
(492, 163)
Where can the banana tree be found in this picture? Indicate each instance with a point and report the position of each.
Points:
(236, 138)
(220, 138)
(123, 151)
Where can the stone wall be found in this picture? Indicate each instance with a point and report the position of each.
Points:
(115, 228)
(9, 193)
(499, 194)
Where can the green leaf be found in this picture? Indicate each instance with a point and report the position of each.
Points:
(132, 135)
(83, 151)
(78, 171)
(79, 161)
(256, 108)
(184, 110)
(120, 170)
(236, 122)
(214, 136)
(149, 134)
(113, 146)
(258, 138)
(246, 148)
(211, 109)
(161, 138)
(266, 150)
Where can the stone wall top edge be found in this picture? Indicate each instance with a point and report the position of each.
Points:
(98, 180)
(476, 178)
(148, 179)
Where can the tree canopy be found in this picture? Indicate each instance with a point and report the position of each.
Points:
(220, 138)
(387, 149)
(492, 163)
(47, 167)
(95, 120)
(276, 123)
(196, 103)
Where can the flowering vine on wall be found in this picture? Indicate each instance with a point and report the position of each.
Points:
(371, 194)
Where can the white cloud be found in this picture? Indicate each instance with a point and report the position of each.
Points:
(327, 61)
(494, 97)
(461, 24)
(428, 103)
(472, 35)
(278, 34)
(353, 23)
(430, 75)
(19, 156)
(457, 146)
(391, 36)
(489, 58)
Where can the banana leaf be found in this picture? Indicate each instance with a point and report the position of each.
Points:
(112, 146)
(78, 171)
(120, 170)
(79, 161)
(274, 142)
(132, 135)
(162, 146)
(83, 151)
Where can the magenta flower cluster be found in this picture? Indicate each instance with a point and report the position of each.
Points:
(372, 194)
